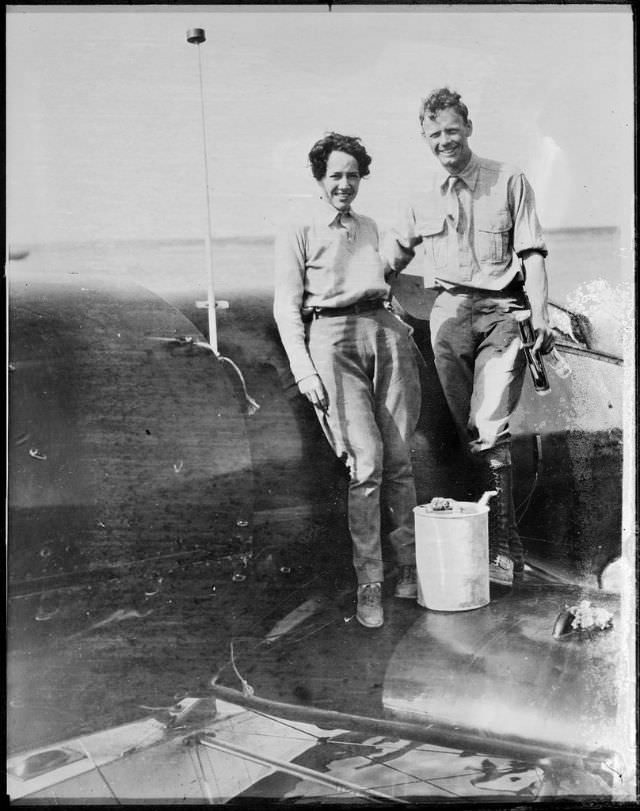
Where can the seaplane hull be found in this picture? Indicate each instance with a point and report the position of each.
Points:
(131, 442)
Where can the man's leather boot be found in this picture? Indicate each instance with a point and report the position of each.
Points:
(506, 553)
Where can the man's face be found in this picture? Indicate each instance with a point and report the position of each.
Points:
(447, 137)
(342, 180)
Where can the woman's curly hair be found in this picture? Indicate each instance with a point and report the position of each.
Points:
(320, 151)
(440, 100)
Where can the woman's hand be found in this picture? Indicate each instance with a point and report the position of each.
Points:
(311, 387)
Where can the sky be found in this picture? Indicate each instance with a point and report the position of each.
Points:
(104, 128)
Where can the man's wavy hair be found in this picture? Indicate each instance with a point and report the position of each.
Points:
(332, 142)
(439, 100)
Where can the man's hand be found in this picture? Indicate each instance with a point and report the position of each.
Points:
(545, 340)
(314, 391)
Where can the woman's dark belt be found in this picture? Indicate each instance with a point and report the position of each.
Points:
(365, 306)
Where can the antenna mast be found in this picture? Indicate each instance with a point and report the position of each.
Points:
(197, 36)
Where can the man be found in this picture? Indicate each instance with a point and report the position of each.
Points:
(353, 359)
(484, 252)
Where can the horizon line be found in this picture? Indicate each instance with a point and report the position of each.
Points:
(23, 244)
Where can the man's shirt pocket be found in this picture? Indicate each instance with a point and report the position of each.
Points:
(433, 231)
(493, 237)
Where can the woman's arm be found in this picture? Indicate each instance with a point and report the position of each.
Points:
(290, 263)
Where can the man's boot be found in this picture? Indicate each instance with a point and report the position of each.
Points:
(506, 553)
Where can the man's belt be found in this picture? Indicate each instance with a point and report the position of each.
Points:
(365, 306)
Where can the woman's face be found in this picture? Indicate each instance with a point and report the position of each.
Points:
(342, 180)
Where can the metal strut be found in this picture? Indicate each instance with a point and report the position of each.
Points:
(299, 771)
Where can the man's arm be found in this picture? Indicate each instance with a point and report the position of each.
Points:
(529, 244)
(536, 288)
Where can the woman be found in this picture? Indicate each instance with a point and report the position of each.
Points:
(353, 359)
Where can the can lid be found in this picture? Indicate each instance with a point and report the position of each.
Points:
(458, 509)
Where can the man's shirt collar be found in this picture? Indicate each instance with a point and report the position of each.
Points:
(469, 175)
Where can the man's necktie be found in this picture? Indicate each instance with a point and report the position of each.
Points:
(453, 201)
(458, 219)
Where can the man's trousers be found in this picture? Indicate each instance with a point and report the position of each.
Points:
(477, 348)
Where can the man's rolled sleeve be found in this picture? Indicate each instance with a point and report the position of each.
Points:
(527, 232)
(288, 299)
